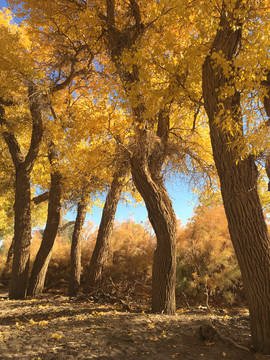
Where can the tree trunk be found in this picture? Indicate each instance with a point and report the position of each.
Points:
(75, 254)
(101, 249)
(37, 279)
(163, 220)
(238, 181)
(22, 235)
(22, 208)
(7, 266)
(149, 151)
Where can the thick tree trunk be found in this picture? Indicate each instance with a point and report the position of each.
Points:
(22, 235)
(75, 254)
(37, 279)
(149, 153)
(101, 249)
(22, 207)
(163, 220)
(239, 186)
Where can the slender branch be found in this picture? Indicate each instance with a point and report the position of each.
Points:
(64, 227)
(11, 141)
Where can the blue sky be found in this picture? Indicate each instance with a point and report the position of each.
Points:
(3, 3)
(181, 195)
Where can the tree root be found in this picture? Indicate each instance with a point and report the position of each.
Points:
(208, 334)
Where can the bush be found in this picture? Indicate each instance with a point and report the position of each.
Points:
(206, 263)
(131, 252)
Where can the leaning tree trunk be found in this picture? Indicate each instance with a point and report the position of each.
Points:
(163, 220)
(149, 153)
(238, 181)
(7, 266)
(75, 254)
(37, 279)
(101, 249)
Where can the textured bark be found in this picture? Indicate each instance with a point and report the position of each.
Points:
(100, 252)
(267, 110)
(239, 187)
(163, 220)
(22, 234)
(22, 207)
(38, 274)
(149, 152)
(75, 254)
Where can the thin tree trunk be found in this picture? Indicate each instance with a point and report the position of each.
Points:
(163, 220)
(101, 249)
(7, 266)
(238, 181)
(37, 279)
(75, 254)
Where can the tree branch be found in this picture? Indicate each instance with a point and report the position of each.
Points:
(64, 227)
(37, 127)
(136, 14)
(11, 141)
(41, 198)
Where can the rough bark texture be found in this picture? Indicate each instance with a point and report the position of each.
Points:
(149, 152)
(266, 83)
(239, 186)
(100, 252)
(163, 220)
(75, 254)
(38, 274)
(22, 234)
(22, 207)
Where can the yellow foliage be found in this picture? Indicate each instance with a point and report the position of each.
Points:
(207, 264)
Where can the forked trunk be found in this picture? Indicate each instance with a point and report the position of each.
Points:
(75, 254)
(238, 181)
(163, 220)
(101, 249)
(23, 164)
(149, 153)
(37, 279)
(22, 235)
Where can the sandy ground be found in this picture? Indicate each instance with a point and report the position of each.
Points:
(56, 327)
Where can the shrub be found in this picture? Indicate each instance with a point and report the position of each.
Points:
(206, 263)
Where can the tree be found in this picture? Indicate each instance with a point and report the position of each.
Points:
(148, 155)
(37, 279)
(148, 103)
(75, 254)
(23, 166)
(238, 177)
(100, 252)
